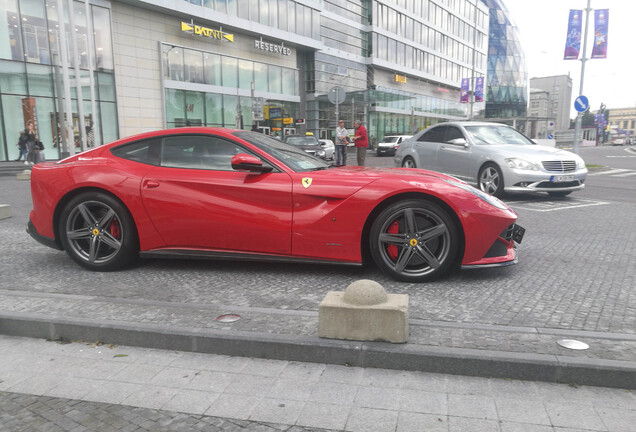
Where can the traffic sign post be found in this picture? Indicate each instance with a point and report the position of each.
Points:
(337, 95)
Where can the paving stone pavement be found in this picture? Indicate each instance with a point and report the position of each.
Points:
(80, 386)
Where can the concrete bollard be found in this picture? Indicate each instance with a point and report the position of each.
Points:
(24, 175)
(5, 211)
(364, 312)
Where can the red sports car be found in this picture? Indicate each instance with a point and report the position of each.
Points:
(216, 192)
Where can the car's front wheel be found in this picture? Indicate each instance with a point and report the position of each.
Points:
(408, 162)
(98, 232)
(414, 241)
(491, 180)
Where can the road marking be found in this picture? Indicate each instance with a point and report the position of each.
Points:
(609, 172)
(620, 156)
(632, 173)
(549, 206)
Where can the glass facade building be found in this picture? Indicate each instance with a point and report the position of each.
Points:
(260, 64)
(507, 79)
(32, 74)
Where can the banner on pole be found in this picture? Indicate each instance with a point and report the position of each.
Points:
(479, 89)
(601, 17)
(573, 40)
(464, 93)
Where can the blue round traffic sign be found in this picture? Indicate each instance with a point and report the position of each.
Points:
(550, 136)
(581, 104)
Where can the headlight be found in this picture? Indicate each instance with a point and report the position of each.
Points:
(580, 163)
(522, 164)
(320, 153)
(492, 200)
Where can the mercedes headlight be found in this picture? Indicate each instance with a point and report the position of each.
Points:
(522, 164)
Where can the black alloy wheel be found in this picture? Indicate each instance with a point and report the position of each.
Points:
(414, 241)
(98, 232)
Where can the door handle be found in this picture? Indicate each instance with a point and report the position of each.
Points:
(151, 184)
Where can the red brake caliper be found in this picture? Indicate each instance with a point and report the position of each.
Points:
(114, 229)
(392, 249)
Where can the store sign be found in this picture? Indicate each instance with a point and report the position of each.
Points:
(270, 47)
(206, 32)
(400, 79)
(288, 120)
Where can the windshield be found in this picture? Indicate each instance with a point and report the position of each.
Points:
(301, 140)
(390, 139)
(296, 159)
(494, 134)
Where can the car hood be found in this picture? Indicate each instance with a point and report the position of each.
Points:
(343, 182)
(535, 153)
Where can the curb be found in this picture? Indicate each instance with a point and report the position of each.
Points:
(455, 361)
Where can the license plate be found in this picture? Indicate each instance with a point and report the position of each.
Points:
(561, 178)
(517, 233)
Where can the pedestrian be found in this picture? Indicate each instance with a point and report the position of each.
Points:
(342, 139)
(361, 141)
(30, 143)
(22, 147)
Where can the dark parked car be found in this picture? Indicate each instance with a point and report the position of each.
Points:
(309, 143)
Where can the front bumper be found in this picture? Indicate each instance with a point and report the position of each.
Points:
(531, 181)
(503, 251)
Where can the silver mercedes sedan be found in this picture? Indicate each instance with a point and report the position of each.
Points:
(493, 156)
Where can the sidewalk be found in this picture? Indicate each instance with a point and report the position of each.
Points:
(82, 386)
(465, 349)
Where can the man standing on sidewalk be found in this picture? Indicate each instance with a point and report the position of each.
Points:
(361, 141)
(342, 139)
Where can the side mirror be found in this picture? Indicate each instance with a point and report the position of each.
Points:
(459, 142)
(245, 162)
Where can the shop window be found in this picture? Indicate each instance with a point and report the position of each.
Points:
(212, 69)
(246, 74)
(173, 61)
(260, 77)
(230, 110)
(213, 109)
(175, 107)
(12, 77)
(275, 84)
(193, 66)
(229, 66)
(102, 42)
(40, 78)
(194, 108)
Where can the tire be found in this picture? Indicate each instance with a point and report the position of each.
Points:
(490, 180)
(98, 232)
(560, 193)
(414, 241)
(408, 162)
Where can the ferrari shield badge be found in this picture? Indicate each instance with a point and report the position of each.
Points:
(306, 182)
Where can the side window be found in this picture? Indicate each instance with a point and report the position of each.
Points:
(434, 135)
(146, 151)
(452, 133)
(200, 152)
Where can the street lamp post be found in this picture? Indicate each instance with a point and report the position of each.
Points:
(577, 126)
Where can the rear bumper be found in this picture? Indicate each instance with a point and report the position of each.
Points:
(46, 241)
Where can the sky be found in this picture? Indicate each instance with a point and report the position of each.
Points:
(543, 26)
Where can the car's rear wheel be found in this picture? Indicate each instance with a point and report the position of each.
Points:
(98, 232)
(408, 162)
(414, 241)
(491, 180)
